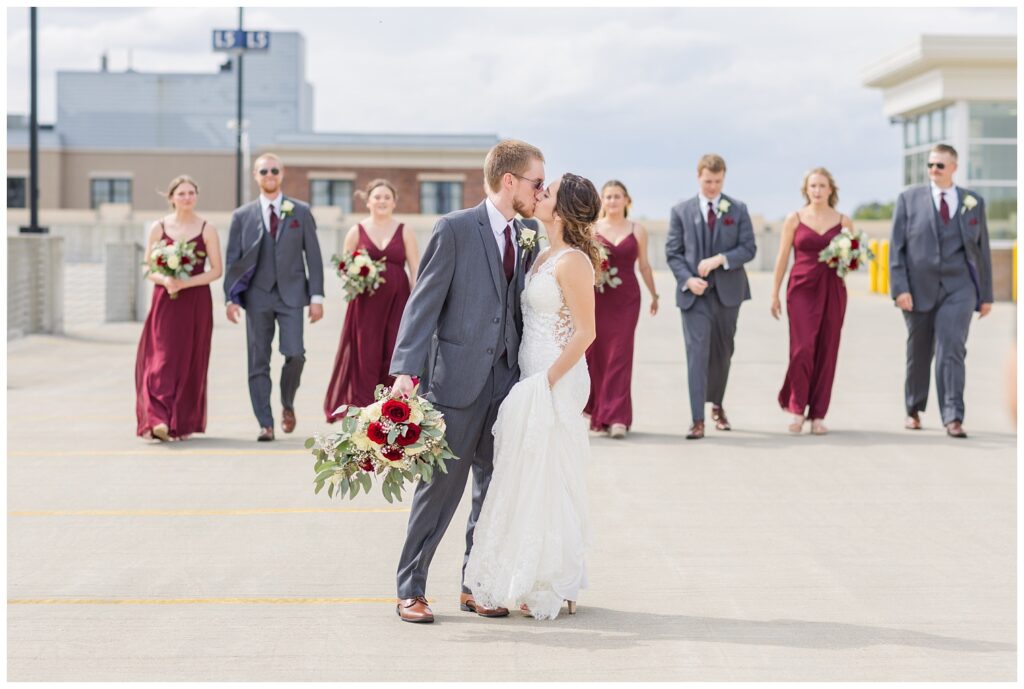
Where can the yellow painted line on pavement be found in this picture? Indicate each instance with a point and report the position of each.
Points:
(198, 601)
(165, 452)
(203, 513)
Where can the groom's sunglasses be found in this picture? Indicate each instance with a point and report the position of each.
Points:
(273, 171)
(538, 184)
(940, 166)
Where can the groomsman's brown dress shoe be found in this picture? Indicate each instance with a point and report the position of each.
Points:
(414, 610)
(266, 435)
(696, 431)
(913, 422)
(288, 420)
(955, 430)
(718, 416)
(467, 604)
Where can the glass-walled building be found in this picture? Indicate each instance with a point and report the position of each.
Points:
(959, 90)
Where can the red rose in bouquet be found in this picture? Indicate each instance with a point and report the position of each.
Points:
(393, 454)
(364, 271)
(366, 465)
(376, 433)
(396, 410)
(412, 434)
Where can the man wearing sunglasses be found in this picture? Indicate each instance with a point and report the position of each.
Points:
(941, 272)
(271, 245)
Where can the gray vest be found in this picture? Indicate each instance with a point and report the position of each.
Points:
(266, 269)
(506, 338)
(953, 271)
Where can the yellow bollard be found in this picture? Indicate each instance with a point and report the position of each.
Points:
(883, 267)
(1013, 287)
(873, 265)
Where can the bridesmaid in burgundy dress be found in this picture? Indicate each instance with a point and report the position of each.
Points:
(815, 302)
(174, 351)
(610, 357)
(371, 321)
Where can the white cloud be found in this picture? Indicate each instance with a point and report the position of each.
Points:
(633, 94)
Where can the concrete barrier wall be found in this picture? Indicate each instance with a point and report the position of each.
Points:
(124, 293)
(35, 285)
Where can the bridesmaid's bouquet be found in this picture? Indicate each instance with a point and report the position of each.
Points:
(398, 439)
(174, 259)
(359, 273)
(847, 251)
(607, 276)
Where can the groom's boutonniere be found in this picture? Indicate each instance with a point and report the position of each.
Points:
(286, 208)
(527, 240)
(723, 207)
(969, 203)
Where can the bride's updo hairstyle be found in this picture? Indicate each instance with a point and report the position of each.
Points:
(578, 205)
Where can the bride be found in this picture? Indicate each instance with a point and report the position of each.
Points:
(528, 547)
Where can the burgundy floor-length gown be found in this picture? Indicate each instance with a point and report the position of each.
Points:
(816, 305)
(174, 355)
(610, 357)
(370, 329)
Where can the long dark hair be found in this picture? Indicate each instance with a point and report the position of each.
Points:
(578, 205)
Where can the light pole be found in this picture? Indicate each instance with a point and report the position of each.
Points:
(239, 174)
(33, 131)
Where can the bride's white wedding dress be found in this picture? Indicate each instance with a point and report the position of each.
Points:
(528, 545)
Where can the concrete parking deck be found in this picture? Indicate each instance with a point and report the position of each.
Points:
(871, 553)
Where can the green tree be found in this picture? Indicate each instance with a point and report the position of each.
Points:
(874, 211)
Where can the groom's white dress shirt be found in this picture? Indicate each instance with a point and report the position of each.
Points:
(952, 198)
(498, 223)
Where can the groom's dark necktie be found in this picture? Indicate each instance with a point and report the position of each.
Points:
(711, 219)
(509, 260)
(273, 223)
(943, 207)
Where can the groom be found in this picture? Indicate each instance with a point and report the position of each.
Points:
(272, 241)
(461, 328)
(710, 237)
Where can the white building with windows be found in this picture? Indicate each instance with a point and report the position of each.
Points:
(959, 90)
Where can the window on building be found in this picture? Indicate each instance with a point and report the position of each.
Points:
(331, 192)
(109, 190)
(437, 198)
(16, 192)
(938, 131)
(915, 168)
(1000, 201)
(923, 135)
(992, 161)
(993, 120)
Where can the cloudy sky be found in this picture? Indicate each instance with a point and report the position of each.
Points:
(633, 94)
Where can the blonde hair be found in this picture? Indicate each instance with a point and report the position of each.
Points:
(625, 192)
(177, 182)
(510, 155)
(267, 156)
(712, 162)
(364, 194)
(833, 197)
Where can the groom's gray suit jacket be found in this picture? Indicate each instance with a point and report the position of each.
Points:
(462, 315)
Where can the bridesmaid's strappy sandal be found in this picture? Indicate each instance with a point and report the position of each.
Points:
(818, 427)
(161, 432)
(797, 426)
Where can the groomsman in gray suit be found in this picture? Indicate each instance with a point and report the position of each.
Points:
(710, 238)
(940, 273)
(462, 326)
(271, 246)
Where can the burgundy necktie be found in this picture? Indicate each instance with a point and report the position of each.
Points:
(509, 261)
(943, 207)
(273, 223)
(711, 218)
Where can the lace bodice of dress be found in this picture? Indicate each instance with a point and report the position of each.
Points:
(547, 321)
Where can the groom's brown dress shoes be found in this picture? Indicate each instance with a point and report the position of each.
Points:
(913, 422)
(467, 604)
(696, 431)
(266, 435)
(718, 416)
(288, 420)
(414, 610)
(955, 430)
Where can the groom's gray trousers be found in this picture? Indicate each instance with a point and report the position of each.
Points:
(709, 331)
(470, 438)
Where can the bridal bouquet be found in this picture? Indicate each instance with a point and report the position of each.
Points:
(174, 259)
(396, 438)
(359, 273)
(847, 251)
(607, 276)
